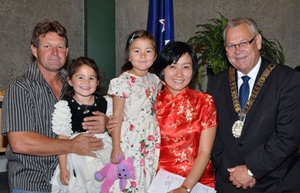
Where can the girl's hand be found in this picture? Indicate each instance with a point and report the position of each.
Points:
(112, 123)
(64, 176)
(114, 155)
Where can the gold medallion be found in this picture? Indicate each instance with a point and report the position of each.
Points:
(237, 127)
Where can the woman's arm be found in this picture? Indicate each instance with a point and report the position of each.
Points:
(118, 112)
(204, 153)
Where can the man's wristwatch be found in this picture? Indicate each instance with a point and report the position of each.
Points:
(186, 188)
(249, 173)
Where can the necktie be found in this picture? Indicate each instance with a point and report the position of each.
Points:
(244, 92)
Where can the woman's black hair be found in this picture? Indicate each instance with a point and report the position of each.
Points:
(171, 53)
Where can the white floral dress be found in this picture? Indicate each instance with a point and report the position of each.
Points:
(140, 135)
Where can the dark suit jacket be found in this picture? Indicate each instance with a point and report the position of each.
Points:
(271, 133)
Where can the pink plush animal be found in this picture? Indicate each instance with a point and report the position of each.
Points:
(123, 171)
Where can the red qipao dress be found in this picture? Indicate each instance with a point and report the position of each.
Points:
(181, 119)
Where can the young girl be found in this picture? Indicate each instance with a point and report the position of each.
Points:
(134, 92)
(75, 173)
(187, 119)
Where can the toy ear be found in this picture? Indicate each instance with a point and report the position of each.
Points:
(130, 160)
(133, 176)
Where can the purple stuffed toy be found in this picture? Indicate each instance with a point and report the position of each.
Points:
(123, 171)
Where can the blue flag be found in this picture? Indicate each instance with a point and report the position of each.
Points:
(161, 22)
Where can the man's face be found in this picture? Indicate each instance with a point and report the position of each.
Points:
(51, 53)
(243, 58)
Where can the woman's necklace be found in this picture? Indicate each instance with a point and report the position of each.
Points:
(238, 125)
(86, 110)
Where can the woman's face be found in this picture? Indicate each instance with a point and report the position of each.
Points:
(178, 76)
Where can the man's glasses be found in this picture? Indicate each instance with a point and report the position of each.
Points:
(232, 47)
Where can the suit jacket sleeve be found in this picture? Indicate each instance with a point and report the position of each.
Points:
(278, 124)
(220, 156)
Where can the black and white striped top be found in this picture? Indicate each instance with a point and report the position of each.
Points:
(28, 105)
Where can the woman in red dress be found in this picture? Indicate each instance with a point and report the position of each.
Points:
(187, 119)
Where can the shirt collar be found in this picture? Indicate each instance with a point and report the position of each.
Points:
(253, 73)
(34, 74)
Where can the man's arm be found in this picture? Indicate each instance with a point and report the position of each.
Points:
(32, 143)
(286, 123)
(220, 156)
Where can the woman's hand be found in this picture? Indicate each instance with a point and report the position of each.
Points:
(178, 190)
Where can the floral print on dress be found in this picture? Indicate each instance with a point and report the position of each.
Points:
(182, 118)
(140, 135)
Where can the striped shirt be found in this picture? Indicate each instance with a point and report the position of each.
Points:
(28, 105)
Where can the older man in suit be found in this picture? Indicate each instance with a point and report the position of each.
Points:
(256, 143)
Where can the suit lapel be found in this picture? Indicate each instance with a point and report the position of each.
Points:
(231, 111)
(254, 106)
